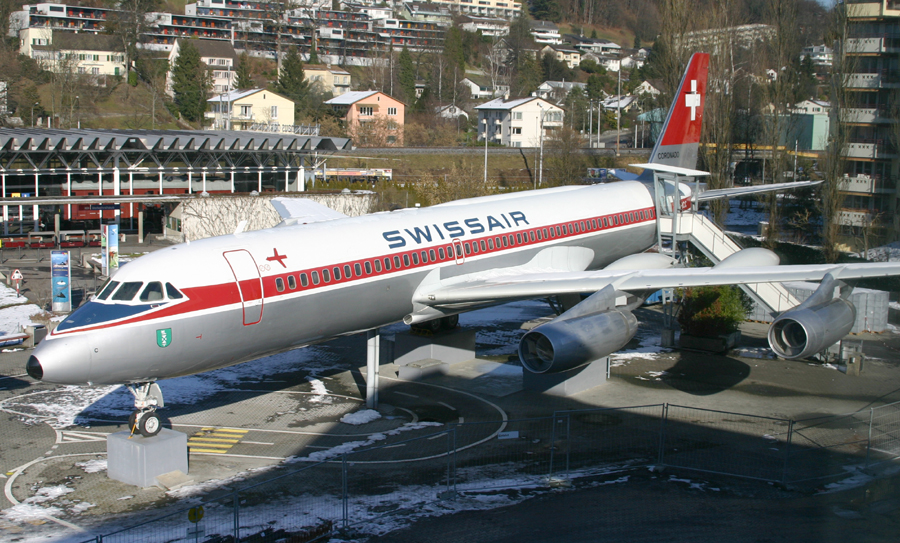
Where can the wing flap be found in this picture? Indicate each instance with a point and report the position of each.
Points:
(535, 285)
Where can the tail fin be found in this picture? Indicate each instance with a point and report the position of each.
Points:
(679, 141)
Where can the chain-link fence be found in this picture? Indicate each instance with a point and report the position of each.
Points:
(343, 491)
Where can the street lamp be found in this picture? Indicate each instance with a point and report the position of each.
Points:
(485, 123)
(32, 113)
(541, 139)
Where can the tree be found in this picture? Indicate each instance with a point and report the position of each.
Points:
(528, 76)
(244, 79)
(564, 163)
(291, 81)
(555, 69)
(406, 76)
(191, 82)
(129, 22)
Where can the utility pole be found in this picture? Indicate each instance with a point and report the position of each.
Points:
(618, 107)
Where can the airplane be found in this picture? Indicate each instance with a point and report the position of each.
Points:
(225, 300)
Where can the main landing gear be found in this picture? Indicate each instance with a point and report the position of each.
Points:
(147, 397)
(436, 325)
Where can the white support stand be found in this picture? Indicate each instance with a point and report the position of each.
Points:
(138, 460)
(373, 349)
(568, 383)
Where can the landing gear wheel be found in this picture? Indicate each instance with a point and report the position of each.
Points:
(449, 323)
(433, 326)
(149, 424)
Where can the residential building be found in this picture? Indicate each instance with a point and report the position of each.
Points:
(808, 129)
(557, 91)
(481, 87)
(563, 53)
(545, 32)
(488, 26)
(254, 109)
(483, 8)
(872, 162)
(651, 87)
(821, 55)
(219, 57)
(522, 122)
(371, 116)
(428, 12)
(57, 17)
(327, 79)
(593, 45)
(451, 111)
(96, 55)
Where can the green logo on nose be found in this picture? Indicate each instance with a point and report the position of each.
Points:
(164, 337)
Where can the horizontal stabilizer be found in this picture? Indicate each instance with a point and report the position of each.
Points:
(739, 191)
(303, 211)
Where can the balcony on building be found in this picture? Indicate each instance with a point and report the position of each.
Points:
(867, 184)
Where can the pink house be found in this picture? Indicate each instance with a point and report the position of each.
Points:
(372, 118)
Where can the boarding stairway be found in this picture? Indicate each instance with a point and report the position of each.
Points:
(716, 245)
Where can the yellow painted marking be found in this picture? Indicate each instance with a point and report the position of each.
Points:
(214, 451)
(229, 431)
(209, 445)
(214, 440)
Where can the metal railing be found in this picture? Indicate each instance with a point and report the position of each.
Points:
(316, 500)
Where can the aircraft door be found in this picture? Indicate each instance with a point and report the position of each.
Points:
(249, 282)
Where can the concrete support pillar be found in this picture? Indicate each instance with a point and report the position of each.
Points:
(37, 187)
(140, 227)
(160, 182)
(232, 180)
(301, 177)
(259, 181)
(203, 175)
(373, 349)
(68, 193)
(190, 183)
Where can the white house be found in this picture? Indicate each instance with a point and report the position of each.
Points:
(450, 111)
(649, 87)
(95, 55)
(489, 26)
(545, 32)
(218, 55)
(811, 107)
(557, 91)
(822, 55)
(480, 87)
(522, 122)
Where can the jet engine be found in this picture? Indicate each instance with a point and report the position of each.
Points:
(587, 332)
(820, 321)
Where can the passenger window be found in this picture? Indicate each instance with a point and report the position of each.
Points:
(459, 250)
(406, 260)
(503, 239)
(558, 232)
(378, 266)
(519, 238)
(431, 254)
(292, 282)
(368, 266)
(397, 262)
(173, 293)
(545, 233)
(347, 274)
(107, 290)
(468, 249)
(441, 252)
(593, 224)
(304, 282)
(483, 246)
(153, 292)
(337, 273)
(491, 243)
(475, 247)
(387, 263)
(279, 284)
(531, 234)
(424, 257)
(315, 277)
(358, 269)
(415, 259)
(127, 291)
(539, 236)
(605, 224)
(326, 276)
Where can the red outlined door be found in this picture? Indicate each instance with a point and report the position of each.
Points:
(458, 251)
(249, 282)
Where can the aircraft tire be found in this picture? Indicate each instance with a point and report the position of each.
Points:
(149, 425)
(449, 323)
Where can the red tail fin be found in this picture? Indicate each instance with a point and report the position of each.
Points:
(679, 141)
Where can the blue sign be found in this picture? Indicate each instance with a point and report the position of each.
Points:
(60, 276)
(105, 207)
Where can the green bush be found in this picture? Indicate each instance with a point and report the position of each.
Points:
(713, 311)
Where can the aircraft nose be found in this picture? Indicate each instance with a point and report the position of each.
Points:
(34, 369)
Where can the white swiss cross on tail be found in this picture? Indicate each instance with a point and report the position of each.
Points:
(692, 100)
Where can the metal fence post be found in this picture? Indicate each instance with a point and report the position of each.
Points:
(787, 451)
(454, 457)
(344, 485)
(869, 439)
(568, 441)
(662, 433)
(236, 508)
(449, 454)
(552, 445)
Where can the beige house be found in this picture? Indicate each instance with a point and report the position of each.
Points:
(95, 55)
(563, 53)
(327, 79)
(254, 109)
(218, 55)
(372, 118)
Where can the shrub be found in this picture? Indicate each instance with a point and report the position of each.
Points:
(712, 311)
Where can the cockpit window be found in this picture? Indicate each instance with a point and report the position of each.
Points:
(153, 292)
(172, 292)
(127, 291)
(107, 290)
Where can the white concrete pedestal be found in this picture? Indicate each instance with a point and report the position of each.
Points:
(139, 460)
(567, 383)
(419, 356)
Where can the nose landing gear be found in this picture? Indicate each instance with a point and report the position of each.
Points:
(147, 397)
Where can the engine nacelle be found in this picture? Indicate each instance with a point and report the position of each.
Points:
(819, 322)
(562, 345)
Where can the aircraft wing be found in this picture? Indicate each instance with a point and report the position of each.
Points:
(474, 290)
(738, 191)
(303, 211)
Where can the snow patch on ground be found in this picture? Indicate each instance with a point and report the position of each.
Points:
(93, 466)
(361, 417)
(351, 446)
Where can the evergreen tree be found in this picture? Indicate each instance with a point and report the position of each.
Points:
(594, 34)
(244, 81)
(191, 82)
(313, 54)
(406, 76)
(528, 76)
(546, 10)
(291, 81)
